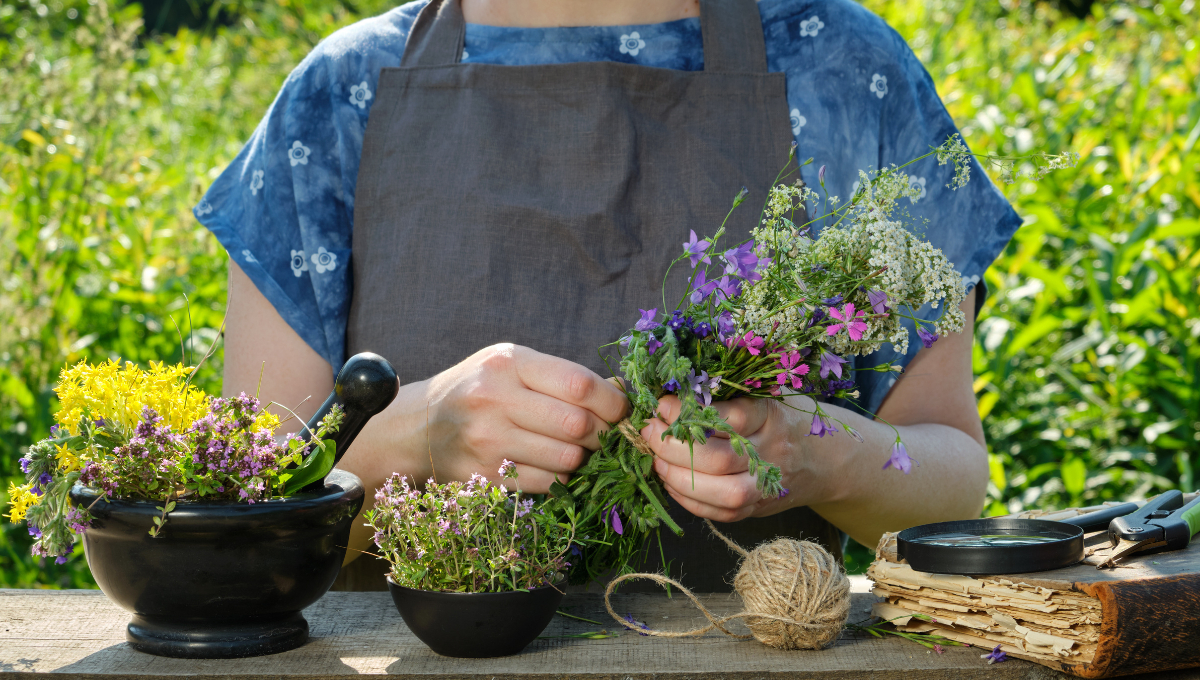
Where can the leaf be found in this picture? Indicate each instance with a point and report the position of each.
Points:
(315, 466)
(1074, 475)
(559, 490)
(33, 138)
(1033, 332)
(170, 506)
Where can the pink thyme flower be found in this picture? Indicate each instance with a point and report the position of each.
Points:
(851, 321)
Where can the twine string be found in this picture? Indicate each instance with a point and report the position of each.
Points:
(806, 614)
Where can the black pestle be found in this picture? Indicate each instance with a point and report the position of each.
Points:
(365, 386)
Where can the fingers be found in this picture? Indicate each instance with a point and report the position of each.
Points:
(702, 509)
(559, 420)
(745, 416)
(570, 382)
(715, 457)
(735, 493)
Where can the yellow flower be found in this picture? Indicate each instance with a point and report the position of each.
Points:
(20, 499)
(67, 460)
(266, 419)
(118, 394)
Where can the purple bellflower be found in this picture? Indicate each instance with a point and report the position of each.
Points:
(900, 460)
(742, 261)
(927, 338)
(703, 329)
(878, 300)
(614, 521)
(695, 249)
(652, 344)
(671, 385)
(996, 656)
(831, 362)
(821, 426)
(702, 287)
(729, 286)
(647, 321)
(725, 325)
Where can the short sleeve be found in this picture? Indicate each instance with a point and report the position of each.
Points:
(971, 224)
(861, 100)
(284, 208)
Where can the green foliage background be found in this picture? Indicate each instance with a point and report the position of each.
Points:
(1086, 353)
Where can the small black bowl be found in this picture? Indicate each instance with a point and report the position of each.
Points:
(223, 579)
(476, 625)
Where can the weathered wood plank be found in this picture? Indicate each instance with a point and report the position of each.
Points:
(80, 634)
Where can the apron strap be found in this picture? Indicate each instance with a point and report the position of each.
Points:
(437, 35)
(733, 36)
(731, 31)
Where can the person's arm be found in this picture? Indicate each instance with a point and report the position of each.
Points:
(933, 407)
(503, 402)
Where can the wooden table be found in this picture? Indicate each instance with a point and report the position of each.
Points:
(80, 634)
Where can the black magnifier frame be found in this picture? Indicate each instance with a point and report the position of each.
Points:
(1062, 546)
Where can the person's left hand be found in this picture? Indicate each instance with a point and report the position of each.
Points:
(723, 490)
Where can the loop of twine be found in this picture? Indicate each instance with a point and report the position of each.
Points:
(807, 613)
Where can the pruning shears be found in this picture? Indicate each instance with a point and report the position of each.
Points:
(1161, 525)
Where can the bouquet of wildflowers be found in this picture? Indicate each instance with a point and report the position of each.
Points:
(150, 435)
(469, 537)
(777, 314)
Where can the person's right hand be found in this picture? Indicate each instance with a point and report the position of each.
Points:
(511, 402)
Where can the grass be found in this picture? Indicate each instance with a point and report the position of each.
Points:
(1086, 356)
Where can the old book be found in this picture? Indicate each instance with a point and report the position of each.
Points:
(1142, 616)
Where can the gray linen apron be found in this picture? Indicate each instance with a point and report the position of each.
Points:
(541, 205)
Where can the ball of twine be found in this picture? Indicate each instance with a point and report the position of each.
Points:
(796, 595)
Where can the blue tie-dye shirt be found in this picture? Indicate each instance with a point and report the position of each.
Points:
(857, 95)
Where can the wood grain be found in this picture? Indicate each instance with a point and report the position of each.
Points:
(80, 634)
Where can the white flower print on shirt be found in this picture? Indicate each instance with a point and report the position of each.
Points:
(256, 181)
(204, 208)
(359, 94)
(465, 56)
(917, 184)
(632, 43)
(299, 263)
(811, 26)
(879, 85)
(249, 257)
(798, 121)
(298, 154)
(325, 260)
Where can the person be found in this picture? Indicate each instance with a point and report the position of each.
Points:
(485, 191)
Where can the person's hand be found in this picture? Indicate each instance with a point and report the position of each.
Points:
(722, 489)
(511, 402)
